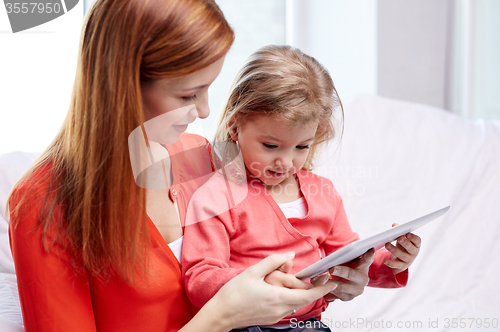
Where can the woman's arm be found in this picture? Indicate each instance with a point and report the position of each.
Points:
(236, 305)
(53, 296)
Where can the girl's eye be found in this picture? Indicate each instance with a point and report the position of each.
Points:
(270, 146)
(302, 147)
(189, 98)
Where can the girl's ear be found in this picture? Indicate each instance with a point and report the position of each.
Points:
(233, 130)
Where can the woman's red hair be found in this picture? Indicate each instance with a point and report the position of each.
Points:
(124, 44)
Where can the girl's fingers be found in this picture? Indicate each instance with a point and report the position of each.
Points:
(352, 275)
(396, 264)
(321, 280)
(347, 291)
(415, 239)
(398, 253)
(408, 245)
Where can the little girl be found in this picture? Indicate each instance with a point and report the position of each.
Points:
(278, 113)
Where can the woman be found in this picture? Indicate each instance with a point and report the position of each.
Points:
(87, 255)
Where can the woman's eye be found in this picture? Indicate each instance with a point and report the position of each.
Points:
(302, 147)
(270, 146)
(189, 98)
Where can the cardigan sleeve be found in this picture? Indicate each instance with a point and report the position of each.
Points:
(206, 246)
(205, 260)
(53, 296)
(380, 275)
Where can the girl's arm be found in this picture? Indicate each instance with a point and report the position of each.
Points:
(248, 300)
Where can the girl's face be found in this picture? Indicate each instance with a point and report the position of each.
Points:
(273, 151)
(171, 104)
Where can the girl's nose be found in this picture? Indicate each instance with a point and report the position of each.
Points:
(284, 161)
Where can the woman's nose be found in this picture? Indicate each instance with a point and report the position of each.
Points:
(202, 107)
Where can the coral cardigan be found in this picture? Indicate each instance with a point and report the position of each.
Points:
(54, 297)
(231, 226)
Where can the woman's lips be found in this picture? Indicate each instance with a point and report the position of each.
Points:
(180, 128)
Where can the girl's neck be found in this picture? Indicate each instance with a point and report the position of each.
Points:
(285, 192)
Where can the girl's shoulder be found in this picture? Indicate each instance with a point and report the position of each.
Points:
(316, 183)
(308, 175)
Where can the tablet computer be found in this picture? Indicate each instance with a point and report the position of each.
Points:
(359, 247)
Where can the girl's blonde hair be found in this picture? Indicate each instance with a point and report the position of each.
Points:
(124, 43)
(282, 82)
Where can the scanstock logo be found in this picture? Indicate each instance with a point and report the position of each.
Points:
(24, 15)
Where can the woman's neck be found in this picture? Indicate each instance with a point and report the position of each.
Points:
(160, 208)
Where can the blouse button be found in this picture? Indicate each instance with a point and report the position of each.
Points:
(174, 192)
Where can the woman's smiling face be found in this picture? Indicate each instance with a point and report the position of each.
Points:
(171, 104)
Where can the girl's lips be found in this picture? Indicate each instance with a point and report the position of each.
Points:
(275, 174)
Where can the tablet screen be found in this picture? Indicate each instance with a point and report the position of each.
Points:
(358, 248)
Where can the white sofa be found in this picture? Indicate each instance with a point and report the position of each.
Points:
(395, 162)
(12, 166)
(398, 161)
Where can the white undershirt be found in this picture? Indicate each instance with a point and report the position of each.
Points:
(176, 248)
(295, 209)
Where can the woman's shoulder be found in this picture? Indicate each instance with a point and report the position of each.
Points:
(33, 187)
(191, 141)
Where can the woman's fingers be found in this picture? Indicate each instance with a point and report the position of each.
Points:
(306, 296)
(286, 266)
(268, 265)
(278, 278)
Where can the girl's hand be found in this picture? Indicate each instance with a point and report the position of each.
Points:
(248, 300)
(404, 253)
(351, 280)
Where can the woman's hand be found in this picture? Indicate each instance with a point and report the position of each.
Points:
(282, 278)
(404, 253)
(351, 280)
(248, 300)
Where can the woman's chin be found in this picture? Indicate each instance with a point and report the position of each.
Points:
(168, 139)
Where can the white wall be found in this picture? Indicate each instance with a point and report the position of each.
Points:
(486, 101)
(256, 23)
(391, 47)
(341, 34)
(37, 70)
(413, 45)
